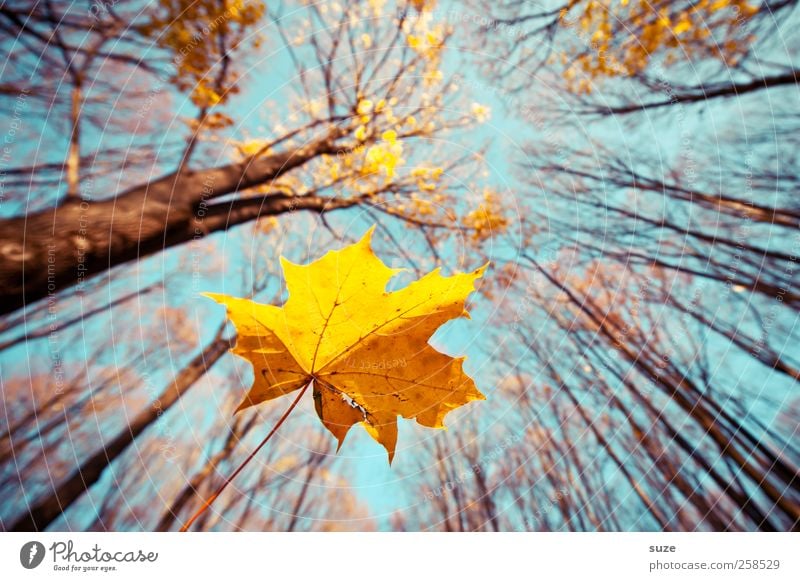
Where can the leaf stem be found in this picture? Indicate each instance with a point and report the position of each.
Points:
(230, 478)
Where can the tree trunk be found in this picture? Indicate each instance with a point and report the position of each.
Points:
(48, 251)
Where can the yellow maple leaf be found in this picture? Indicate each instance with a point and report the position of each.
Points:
(365, 350)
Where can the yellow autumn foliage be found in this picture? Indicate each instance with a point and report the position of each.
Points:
(193, 30)
(614, 39)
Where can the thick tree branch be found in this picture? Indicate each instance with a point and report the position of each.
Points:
(703, 93)
(48, 251)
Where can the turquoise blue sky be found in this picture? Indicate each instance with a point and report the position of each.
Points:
(226, 262)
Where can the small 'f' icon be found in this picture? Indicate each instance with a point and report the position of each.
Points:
(31, 554)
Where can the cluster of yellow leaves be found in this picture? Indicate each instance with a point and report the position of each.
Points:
(365, 169)
(192, 30)
(373, 115)
(428, 200)
(373, 162)
(488, 219)
(427, 38)
(624, 36)
(431, 204)
(341, 332)
(384, 156)
(427, 178)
